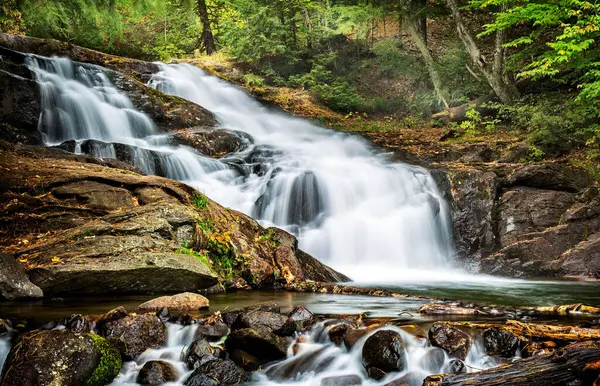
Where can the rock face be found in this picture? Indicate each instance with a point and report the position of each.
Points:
(134, 334)
(103, 229)
(181, 302)
(454, 341)
(383, 352)
(14, 283)
(224, 371)
(65, 358)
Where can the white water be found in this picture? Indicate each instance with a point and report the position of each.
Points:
(349, 207)
(319, 358)
(178, 338)
(369, 218)
(4, 348)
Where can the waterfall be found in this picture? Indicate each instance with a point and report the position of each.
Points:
(348, 205)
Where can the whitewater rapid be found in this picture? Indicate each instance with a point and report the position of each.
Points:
(349, 206)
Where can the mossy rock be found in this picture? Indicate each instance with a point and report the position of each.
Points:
(61, 357)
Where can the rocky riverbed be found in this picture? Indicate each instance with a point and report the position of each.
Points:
(161, 343)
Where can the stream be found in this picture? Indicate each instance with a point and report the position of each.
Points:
(383, 224)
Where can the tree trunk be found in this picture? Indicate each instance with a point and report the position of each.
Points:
(413, 28)
(576, 364)
(208, 40)
(494, 73)
(423, 20)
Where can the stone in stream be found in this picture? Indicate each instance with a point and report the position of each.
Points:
(455, 366)
(197, 379)
(454, 341)
(199, 352)
(246, 361)
(408, 379)
(500, 342)
(338, 332)
(212, 331)
(260, 342)
(156, 373)
(302, 316)
(77, 323)
(224, 371)
(14, 283)
(342, 380)
(186, 301)
(61, 357)
(383, 352)
(231, 316)
(279, 324)
(134, 334)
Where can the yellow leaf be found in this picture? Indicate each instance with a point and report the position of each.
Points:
(22, 260)
(56, 259)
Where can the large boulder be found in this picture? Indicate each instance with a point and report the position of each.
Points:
(186, 301)
(383, 352)
(454, 341)
(232, 316)
(14, 283)
(61, 357)
(259, 341)
(102, 229)
(157, 373)
(214, 142)
(134, 334)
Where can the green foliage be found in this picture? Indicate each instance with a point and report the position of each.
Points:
(556, 40)
(184, 250)
(200, 200)
(476, 124)
(110, 362)
(253, 80)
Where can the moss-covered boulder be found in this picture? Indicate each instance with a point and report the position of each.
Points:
(61, 357)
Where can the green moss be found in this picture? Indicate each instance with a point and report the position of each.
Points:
(184, 250)
(110, 362)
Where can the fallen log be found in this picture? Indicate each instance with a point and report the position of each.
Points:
(577, 363)
(475, 309)
(528, 331)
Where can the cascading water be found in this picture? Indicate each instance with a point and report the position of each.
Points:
(348, 206)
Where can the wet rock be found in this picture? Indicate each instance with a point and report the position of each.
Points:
(197, 379)
(338, 333)
(298, 344)
(383, 352)
(14, 283)
(260, 342)
(224, 371)
(156, 373)
(500, 342)
(552, 176)
(455, 366)
(199, 352)
(302, 317)
(132, 335)
(246, 361)
(186, 301)
(231, 316)
(42, 357)
(213, 142)
(375, 373)
(354, 335)
(342, 380)
(212, 332)
(77, 323)
(111, 316)
(454, 341)
(433, 360)
(276, 322)
(446, 309)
